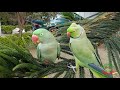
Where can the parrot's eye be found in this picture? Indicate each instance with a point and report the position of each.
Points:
(41, 34)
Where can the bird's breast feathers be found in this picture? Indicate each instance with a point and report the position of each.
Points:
(48, 48)
(81, 48)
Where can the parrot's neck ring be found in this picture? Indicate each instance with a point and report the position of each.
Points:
(79, 35)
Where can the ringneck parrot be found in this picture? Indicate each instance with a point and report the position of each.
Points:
(83, 51)
(48, 49)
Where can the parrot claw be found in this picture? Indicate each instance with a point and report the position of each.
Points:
(73, 67)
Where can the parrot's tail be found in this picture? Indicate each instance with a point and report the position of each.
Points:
(99, 72)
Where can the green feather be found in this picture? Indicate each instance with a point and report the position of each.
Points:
(83, 50)
(48, 49)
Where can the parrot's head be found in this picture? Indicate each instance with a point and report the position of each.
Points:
(74, 30)
(42, 36)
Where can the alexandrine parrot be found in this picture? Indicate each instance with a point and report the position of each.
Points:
(48, 49)
(83, 51)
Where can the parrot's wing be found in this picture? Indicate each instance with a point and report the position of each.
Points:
(87, 59)
(90, 45)
(83, 52)
(58, 51)
(92, 48)
(97, 71)
(39, 51)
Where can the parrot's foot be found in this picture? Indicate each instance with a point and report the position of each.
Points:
(71, 66)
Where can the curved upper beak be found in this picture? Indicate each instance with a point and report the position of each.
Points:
(35, 39)
(68, 34)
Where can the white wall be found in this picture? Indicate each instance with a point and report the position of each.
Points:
(86, 14)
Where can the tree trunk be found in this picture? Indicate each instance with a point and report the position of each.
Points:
(21, 21)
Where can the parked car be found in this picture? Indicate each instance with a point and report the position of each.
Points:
(61, 21)
(58, 21)
(54, 24)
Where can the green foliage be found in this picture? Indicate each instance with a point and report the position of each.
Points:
(28, 27)
(17, 61)
(113, 48)
(13, 53)
(71, 16)
(5, 72)
(103, 27)
(25, 65)
(61, 35)
(10, 18)
(18, 40)
(68, 15)
(7, 29)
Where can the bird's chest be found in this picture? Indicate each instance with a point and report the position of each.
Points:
(47, 49)
(77, 44)
(48, 52)
(79, 48)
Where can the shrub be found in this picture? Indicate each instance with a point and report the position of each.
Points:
(28, 28)
(7, 29)
(12, 52)
(18, 40)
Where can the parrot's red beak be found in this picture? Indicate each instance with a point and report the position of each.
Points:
(35, 39)
(68, 34)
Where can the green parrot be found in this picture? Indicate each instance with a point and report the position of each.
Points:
(83, 51)
(48, 49)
